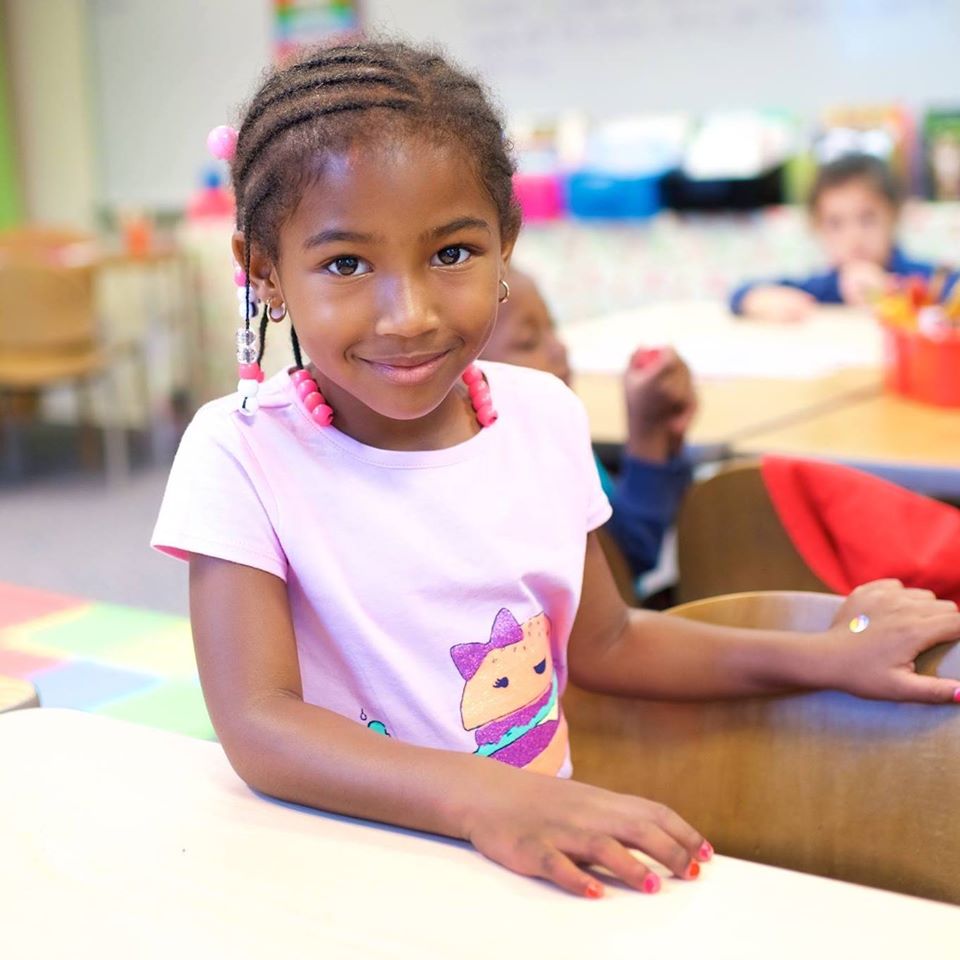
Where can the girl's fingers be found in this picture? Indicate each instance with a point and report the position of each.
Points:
(924, 689)
(603, 851)
(542, 859)
(666, 837)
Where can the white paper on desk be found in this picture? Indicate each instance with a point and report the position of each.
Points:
(717, 345)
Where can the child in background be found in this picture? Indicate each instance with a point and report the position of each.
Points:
(855, 208)
(393, 559)
(661, 403)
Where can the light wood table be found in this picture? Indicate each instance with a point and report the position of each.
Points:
(914, 444)
(123, 841)
(730, 409)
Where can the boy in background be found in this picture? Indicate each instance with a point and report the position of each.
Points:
(855, 210)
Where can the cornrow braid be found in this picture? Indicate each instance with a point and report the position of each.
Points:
(333, 98)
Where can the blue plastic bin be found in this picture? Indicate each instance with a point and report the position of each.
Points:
(597, 195)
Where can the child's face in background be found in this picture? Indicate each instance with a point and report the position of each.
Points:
(855, 223)
(389, 267)
(525, 334)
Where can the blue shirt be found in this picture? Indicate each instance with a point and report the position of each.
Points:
(825, 287)
(645, 499)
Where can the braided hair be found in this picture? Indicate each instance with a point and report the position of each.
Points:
(331, 98)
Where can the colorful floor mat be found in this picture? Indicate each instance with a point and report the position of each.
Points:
(102, 658)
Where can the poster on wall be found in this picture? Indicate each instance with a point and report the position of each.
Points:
(299, 23)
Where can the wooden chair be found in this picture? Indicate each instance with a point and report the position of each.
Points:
(49, 335)
(730, 539)
(821, 782)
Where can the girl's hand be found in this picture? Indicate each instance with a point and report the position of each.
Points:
(542, 826)
(878, 662)
(778, 303)
(661, 402)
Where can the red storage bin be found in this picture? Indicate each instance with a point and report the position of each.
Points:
(922, 367)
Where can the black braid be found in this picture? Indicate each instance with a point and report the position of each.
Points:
(295, 342)
(310, 115)
(264, 323)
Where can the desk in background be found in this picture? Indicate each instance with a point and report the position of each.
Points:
(124, 841)
(913, 444)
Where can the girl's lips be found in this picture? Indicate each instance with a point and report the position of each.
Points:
(407, 370)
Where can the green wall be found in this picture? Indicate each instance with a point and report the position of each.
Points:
(9, 192)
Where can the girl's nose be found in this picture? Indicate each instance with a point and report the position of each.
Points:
(405, 310)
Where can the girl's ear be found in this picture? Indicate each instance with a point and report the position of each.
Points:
(264, 281)
(506, 251)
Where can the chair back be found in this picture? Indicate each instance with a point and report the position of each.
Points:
(823, 782)
(730, 539)
(48, 307)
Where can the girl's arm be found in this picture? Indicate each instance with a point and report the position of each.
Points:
(616, 649)
(533, 824)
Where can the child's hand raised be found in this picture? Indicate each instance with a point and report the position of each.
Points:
(861, 281)
(778, 303)
(541, 826)
(661, 403)
(877, 635)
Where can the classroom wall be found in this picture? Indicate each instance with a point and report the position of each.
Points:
(53, 109)
(163, 73)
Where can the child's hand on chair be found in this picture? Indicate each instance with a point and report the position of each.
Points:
(877, 635)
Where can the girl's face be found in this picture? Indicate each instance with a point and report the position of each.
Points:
(390, 269)
(855, 223)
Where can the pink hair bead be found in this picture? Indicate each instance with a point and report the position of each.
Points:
(250, 371)
(313, 400)
(322, 415)
(222, 142)
(239, 276)
(299, 375)
(472, 375)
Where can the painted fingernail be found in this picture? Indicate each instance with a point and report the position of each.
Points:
(706, 851)
(956, 695)
(594, 890)
(651, 883)
(693, 871)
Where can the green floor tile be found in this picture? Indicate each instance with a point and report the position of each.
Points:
(94, 633)
(176, 706)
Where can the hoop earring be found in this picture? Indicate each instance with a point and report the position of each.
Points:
(278, 313)
(506, 292)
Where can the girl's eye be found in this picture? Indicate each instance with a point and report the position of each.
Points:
(347, 267)
(449, 256)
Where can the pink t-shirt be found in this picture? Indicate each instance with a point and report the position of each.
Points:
(432, 593)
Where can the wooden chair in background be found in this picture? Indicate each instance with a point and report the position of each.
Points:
(820, 782)
(730, 539)
(49, 335)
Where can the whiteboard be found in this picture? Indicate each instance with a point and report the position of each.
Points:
(166, 71)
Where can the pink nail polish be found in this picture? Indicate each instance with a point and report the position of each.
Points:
(651, 883)
(956, 695)
(594, 890)
(706, 851)
(693, 871)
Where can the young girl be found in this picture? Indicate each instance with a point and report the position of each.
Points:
(854, 208)
(392, 565)
(661, 402)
